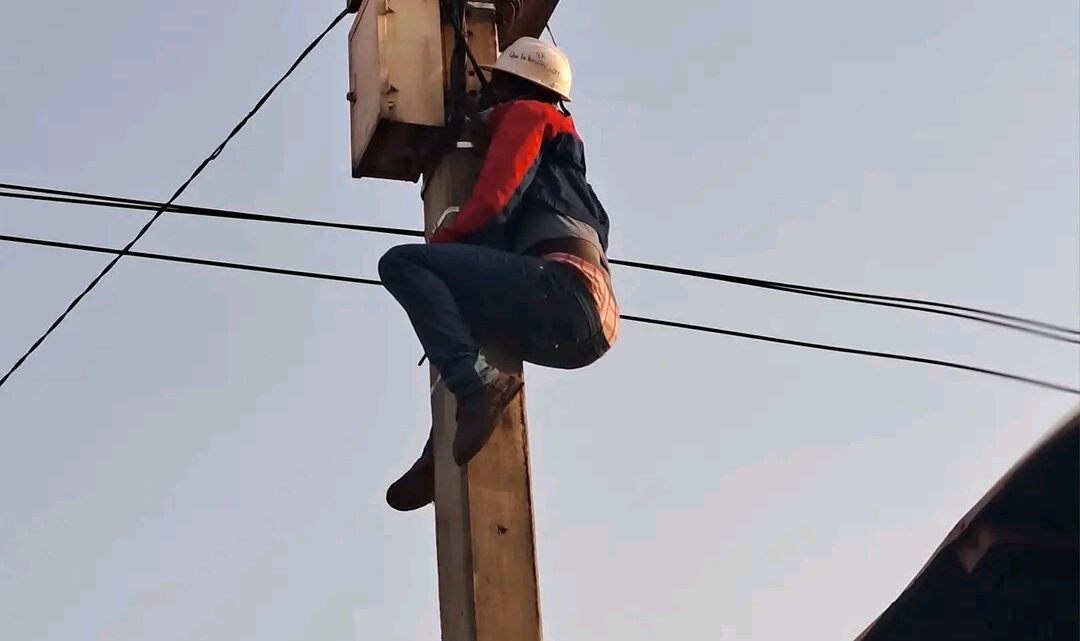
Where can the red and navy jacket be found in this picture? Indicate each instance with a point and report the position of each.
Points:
(534, 164)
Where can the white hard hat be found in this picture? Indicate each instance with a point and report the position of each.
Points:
(538, 62)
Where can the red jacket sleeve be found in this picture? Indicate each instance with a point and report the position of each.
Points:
(518, 133)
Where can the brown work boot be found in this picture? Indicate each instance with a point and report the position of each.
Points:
(416, 488)
(478, 412)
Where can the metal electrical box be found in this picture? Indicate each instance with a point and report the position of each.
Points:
(396, 94)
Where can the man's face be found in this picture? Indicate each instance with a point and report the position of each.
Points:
(501, 89)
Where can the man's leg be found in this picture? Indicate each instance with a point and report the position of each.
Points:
(450, 293)
(447, 290)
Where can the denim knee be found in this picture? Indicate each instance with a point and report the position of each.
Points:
(393, 263)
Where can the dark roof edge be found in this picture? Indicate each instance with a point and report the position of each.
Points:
(1049, 441)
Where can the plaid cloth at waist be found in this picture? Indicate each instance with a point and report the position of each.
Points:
(599, 285)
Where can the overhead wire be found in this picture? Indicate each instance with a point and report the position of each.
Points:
(849, 350)
(626, 317)
(179, 191)
(914, 304)
(187, 260)
(993, 318)
(110, 202)
(1007, 321)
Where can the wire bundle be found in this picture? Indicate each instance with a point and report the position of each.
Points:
(26, 192)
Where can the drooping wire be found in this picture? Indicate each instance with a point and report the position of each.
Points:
(183, 187)
(455, 115)
(629, 318)
(551, 34)
(1034, 327)
(459, 33)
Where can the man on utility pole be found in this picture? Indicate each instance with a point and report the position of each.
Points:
(546, 294)
(542, 293)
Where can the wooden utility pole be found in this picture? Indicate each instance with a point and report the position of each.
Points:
(488, 589)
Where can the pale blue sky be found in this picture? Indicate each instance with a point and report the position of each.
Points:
(200, 454)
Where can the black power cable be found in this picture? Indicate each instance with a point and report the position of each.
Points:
(92, 200)
(462, 42)
(913, 304)
(551, 34)
(628, 318)
(849, 350)
(188, 260)
(183, 187)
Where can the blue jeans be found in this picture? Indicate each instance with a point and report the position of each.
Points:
(457, 296)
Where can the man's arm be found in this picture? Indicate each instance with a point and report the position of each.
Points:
(519, 135)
